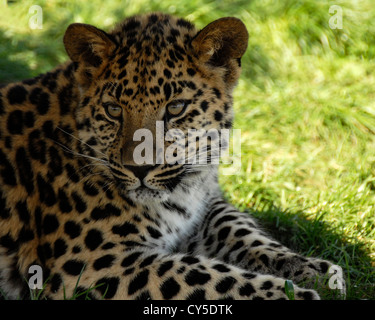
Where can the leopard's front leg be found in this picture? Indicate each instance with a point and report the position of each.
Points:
(235, 238)
(150, 274)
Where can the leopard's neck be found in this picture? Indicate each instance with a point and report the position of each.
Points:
(185, 209)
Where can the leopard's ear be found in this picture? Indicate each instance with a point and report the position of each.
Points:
(222, 43)
(90, 47)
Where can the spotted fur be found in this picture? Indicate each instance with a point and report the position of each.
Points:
(73, 200)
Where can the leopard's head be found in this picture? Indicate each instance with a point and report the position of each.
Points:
(148, 89)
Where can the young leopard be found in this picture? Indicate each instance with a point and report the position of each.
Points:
(74, 200)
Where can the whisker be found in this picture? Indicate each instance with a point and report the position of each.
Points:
(108, 185)
(79, 140)
(79, 154)
(95, 174)
(92, 165)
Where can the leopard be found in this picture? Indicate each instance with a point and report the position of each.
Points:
(75, 201)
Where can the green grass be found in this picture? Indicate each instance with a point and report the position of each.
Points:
(305, 104)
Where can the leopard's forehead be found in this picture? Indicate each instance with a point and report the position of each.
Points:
(154, 31)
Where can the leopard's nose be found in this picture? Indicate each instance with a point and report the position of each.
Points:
(139, 171)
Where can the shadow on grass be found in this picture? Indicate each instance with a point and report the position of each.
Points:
(317, 238)
(11, 70)
(23, 56)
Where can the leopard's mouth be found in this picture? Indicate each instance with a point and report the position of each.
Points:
(143, 193)
(140, 184)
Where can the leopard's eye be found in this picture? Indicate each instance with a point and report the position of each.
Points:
(177, 107)
(114, 111)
